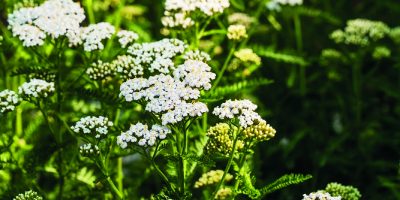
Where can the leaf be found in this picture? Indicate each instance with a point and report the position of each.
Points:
(86, 176)
(89, 93)
(280, 57)
(284, 181)
(220, 92)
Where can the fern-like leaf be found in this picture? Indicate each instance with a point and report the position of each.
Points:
(106, 97)
(235, 88)
(284, 181)
(280, 57)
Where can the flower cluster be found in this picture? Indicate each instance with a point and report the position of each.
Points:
(244, 110)
(259, 132)
(320, 195)
(345, 192)
(224, 193)
(127, 67)
(241, 18)
(395, 34)
(95, 126)
(248, 56)
(28, 195)
(381, 52)
(36, 88)
(157, 55)
(100, 70)
(89, 150)
(237, 32)
(178, 12)
(197, 55)
(8, 100)
(94, 34)
(221, 139)
(361, 32)
(126, 37)
(212, 177)
(54, 18)
(141, 134)
(195, 74)
(276, 4)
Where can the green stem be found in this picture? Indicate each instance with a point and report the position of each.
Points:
(228, 166)
(89, 9)
(356, 79)
(241, 163)
(114, 188)
(224, 67)
(299, 44)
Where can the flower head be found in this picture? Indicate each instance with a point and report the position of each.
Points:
(212, 177)
(93, 126)
(36, 88)
(221, 139)
(94, 34)
(141, 135)
(28, 195)
(8, 101)
(89, 150)
(320, 195)
(237, 32)
(126, 37)
(243, 110)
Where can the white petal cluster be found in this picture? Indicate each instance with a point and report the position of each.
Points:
(94, 34)
(178, 12)
(100, 70)
(241, 18)
(165, 95)
(320, 195)
(36, 88)
(28, 195)
(8, 100)
(195, 74)
(126, 37)
(244, 110)
(95, 126)
(143, 136)
(54, 17)
(197, 55)
(157, 55)
(276, 4)
(127, 67)
(89, 149)
(236, 32)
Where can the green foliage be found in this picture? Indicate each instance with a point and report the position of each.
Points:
(284, 181)
(345, 192)
(280, 57)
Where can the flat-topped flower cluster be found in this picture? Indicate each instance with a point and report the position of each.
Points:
(143, 136)
(8, 101)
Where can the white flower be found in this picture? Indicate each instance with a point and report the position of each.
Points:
(126, 37)
(94, 34)
(244, 110)
(236, 32)
(100, 70)
(141, 134)
(54, 17)
(276, 4)
(8, 100)
(197, 55)
(195, 74)
(127, 67)
(89, 149)
(320, 195)
(36, 88)
(95, 126)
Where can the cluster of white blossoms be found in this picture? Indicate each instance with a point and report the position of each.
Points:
(320, 195)
(100, 70)
(197, 55)
(178, 12)
(96, 126)
(54, 18)
(244, 110)
(126, 37)
(361, 32)
(28, 195)
(94, 34)
(157, 55)
(195, 74)
(276, 4)
(241, 18)
(236, 32)
(8, 100)
(89, 149)
(141, 134)
(36, 88)
(127, 67)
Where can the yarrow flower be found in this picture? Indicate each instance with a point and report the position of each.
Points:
(127, 67)
(28, 195)
(100, 70)
(89, 150)
(381, 52)
(241, 18)
(54, 18)
(8, 101)
(244, 110)
(126, 37)
(178, 12)
(92, 126)
(36, 88)
(236, 32)
(361, 32)
(259, 132)
(224, 193)
(94, 34)
(276, 4)
(141, 134)
(195, 74)
(320, 195)
(345, 192)
(197, 55)
(212, 177)
(248, 56)
(221, 139)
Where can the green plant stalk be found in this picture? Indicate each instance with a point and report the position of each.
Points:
(242, 160)
(299, 44)
(120, 174)
(114, 188)
(89, 9)
(356, 81)
(228, 166)
(224, 67)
